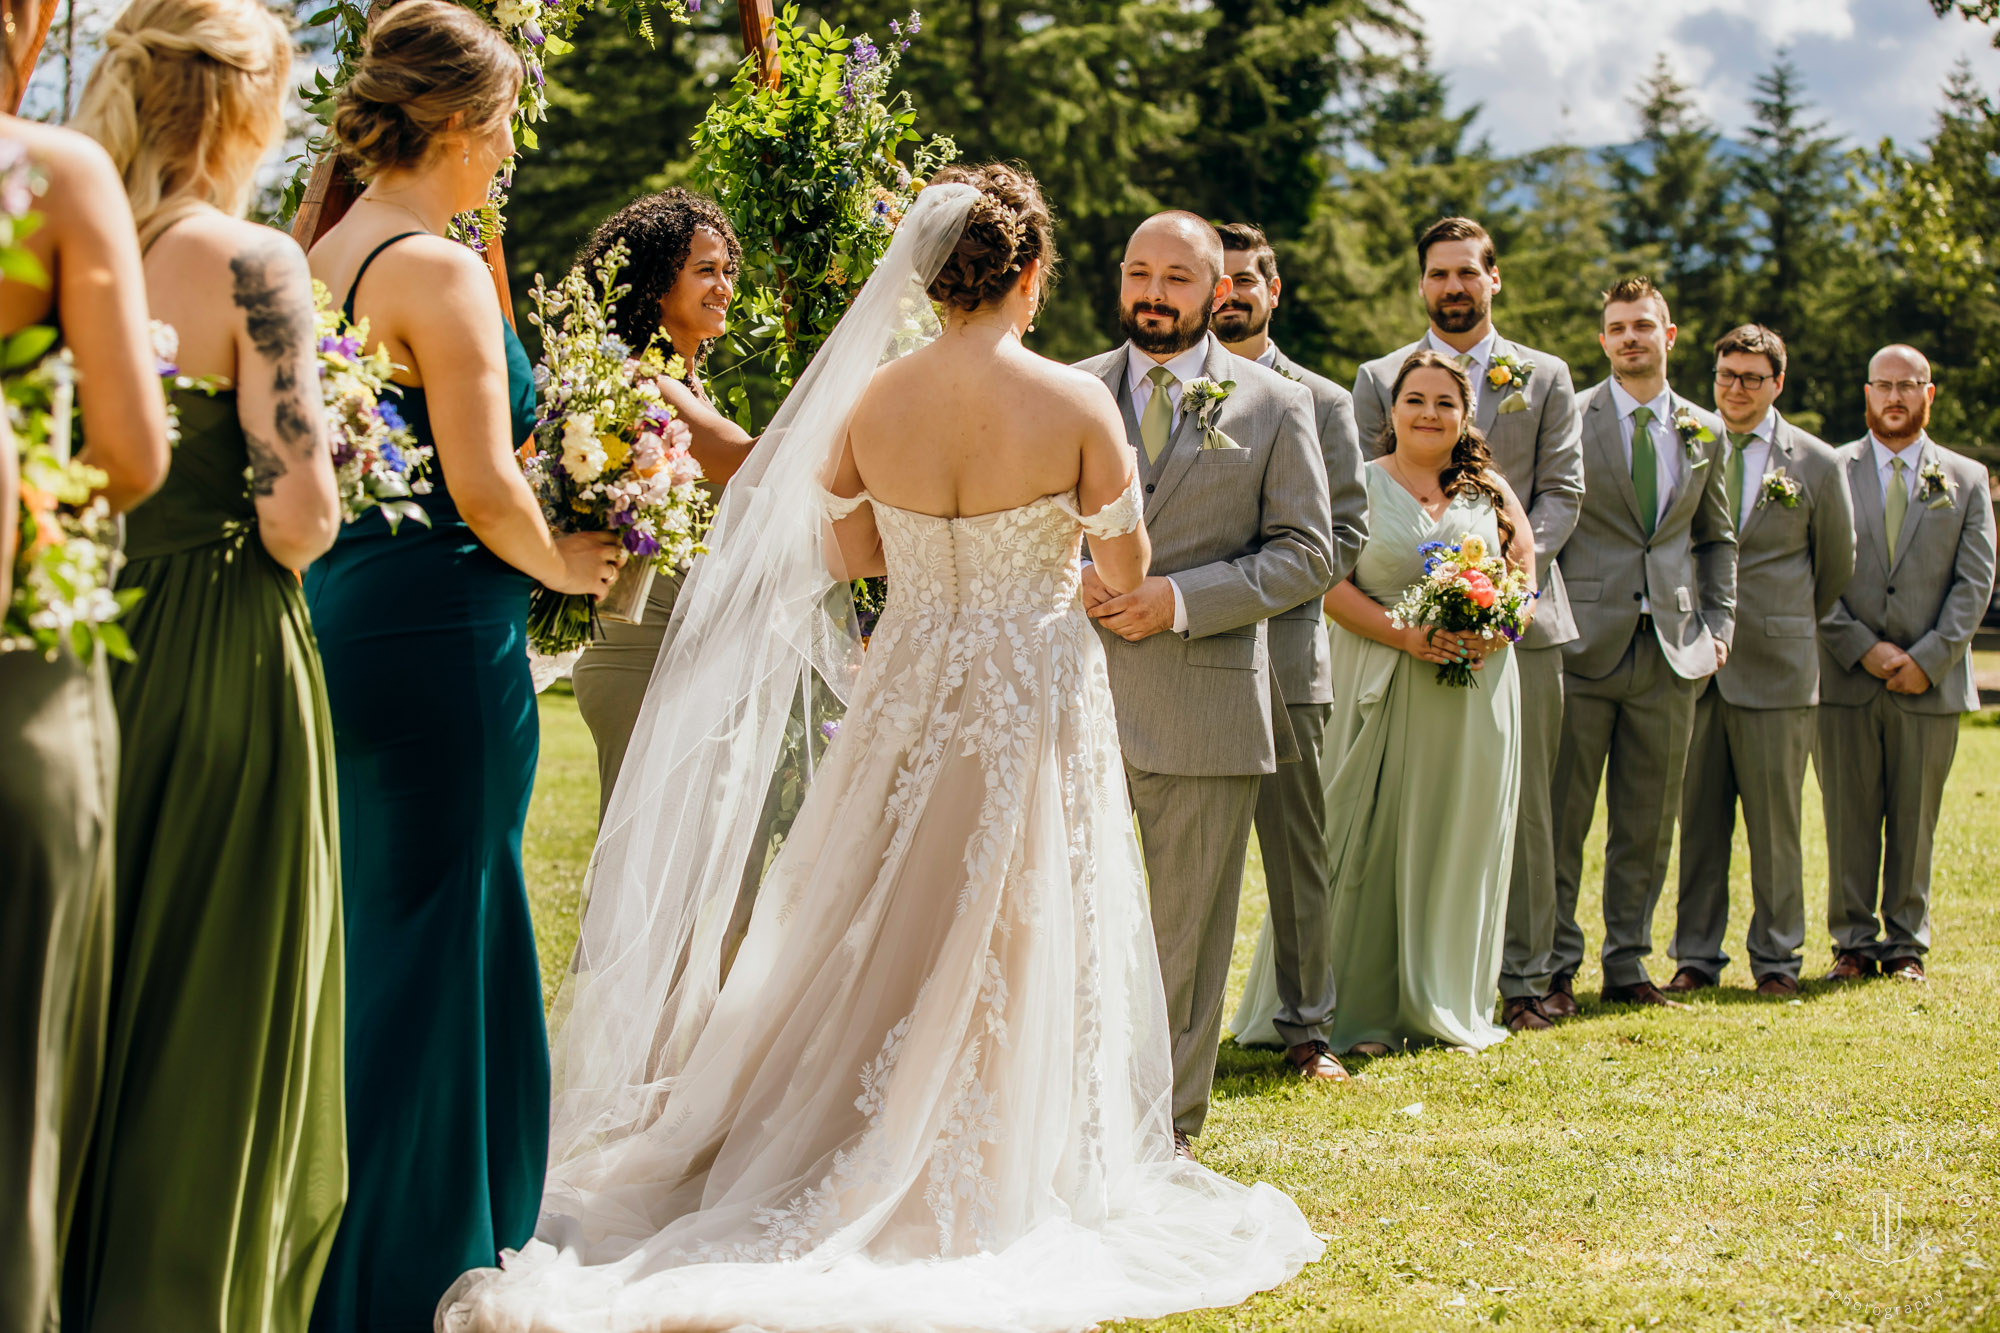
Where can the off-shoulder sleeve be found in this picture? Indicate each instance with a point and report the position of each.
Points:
(839, 506)
(1116, 519)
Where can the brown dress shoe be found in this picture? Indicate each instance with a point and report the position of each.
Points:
(1314, 1060)
(1905, 969)
(1687, 980)
(1777, 984)
(1560, 1002)
(1183, 1146)
(1644, 992)
(1851, 967)
(1523, 1013)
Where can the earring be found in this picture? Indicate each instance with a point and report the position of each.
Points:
(466, 157)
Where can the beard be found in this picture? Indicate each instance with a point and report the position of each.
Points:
(1186, 331)
(1918, 418)
(1462, 317)
(1236, 323)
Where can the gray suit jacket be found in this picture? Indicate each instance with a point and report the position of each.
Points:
(1791, 566)
(1686, 570)
(1539, 451)
(1927, 600)
(1246, 534)
(1299, 652)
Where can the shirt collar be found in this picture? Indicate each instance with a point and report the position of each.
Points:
(1268, 358)
(1662, 406)
(1765, 430)
(1910, 456)
(1189, 365)
(1481, 352)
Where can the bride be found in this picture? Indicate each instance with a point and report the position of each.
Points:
(930, 1092)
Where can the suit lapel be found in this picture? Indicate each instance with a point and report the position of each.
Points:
(1694, 480)
(1919, 510)
(1870, 525)
(1601, 426)
(1489, 397)
(1780, 457)
(1185, 443)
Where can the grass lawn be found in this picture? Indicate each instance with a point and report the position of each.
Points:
(1830, 1162)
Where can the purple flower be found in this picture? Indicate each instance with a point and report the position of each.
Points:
(641, 543)
(393, 457)
(916, 23)
(829, 729)
(390, 416)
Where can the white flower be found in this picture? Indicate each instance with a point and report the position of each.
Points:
(515, 13)
(582, 454)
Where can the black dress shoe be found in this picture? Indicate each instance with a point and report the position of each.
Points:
(1644, 992)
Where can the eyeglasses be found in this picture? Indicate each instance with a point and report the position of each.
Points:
(1730, 379)
(1899, 388)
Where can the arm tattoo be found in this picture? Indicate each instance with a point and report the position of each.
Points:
(279, 321)
(266, 465)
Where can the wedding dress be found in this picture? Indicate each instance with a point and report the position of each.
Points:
(933, 1091)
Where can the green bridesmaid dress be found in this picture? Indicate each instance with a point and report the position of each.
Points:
(58, 776)
(1420, 803)
(218, 1169)
(424, 633)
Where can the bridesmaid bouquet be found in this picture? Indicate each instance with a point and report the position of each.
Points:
(607, 454)
(377, 462)
(1466, 591)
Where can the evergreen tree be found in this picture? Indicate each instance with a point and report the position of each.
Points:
(1560, 257)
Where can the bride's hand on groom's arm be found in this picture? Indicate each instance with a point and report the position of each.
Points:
(1145, 611)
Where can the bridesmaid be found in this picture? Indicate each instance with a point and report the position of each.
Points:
(1423, 776)
(216, 1175)
(423, 634)
(681, 262)
(58, 736)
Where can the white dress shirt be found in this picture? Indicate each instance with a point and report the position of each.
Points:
(1666, 440)
(1756, 462)
(1268, 358)
(1481, 353)
(1189, 365)
(1912, 456)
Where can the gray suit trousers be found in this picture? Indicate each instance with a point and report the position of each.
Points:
(1630, 732)
(1757, 755)
(1195, 833)
(1525, 961)
(1881, 764)
(1291, 831)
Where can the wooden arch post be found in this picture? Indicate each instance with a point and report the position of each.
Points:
(760, 39)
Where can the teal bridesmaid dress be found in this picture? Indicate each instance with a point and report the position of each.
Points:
(423, 635)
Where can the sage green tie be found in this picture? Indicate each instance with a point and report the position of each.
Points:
(1896, 505)
(1645, 469)
(1158, 423)
(1738, 445)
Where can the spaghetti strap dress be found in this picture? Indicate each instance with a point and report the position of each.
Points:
(424, 636)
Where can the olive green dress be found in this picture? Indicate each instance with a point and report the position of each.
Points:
(58, 773)
(218, 1171)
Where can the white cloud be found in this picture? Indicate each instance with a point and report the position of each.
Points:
(1553, 70)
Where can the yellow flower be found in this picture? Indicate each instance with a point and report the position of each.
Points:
(616, 450)
(1499, 377)
(1471, 549)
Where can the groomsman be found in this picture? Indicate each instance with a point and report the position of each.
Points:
(1894, 671)
(1526, 408)
(1753, 720)
(1291, 807)
(1236, 505)
(1652, 579)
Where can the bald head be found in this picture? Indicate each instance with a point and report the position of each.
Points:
(1179, 230)
(1899, 361)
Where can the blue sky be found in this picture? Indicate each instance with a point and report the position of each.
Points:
(1553, 70)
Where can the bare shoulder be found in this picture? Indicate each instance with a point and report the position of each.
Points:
(211, 245)
(82, 184)
(1075, 389)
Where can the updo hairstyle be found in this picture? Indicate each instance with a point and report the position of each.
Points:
(187, 98)
(1008, 229)
(422, 63)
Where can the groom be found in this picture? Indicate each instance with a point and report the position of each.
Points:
(1237, 508)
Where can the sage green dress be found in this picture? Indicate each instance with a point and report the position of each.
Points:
(58, 775)
(218, 1172)
(1420, 801)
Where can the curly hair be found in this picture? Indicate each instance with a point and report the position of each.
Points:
(1008, 229)
(658, 231)
(1470, 471)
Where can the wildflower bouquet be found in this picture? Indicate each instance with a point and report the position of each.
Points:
(377, 462)
(1466, 591)
(607, 455)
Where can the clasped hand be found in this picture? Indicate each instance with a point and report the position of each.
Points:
(1895, 668)
(1446, 647)
(1145, 611)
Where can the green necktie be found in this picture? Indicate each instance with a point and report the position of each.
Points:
(1645, 469)
(1896, 504)
(1158, 423)
(1464, 360)
(1738, 446)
